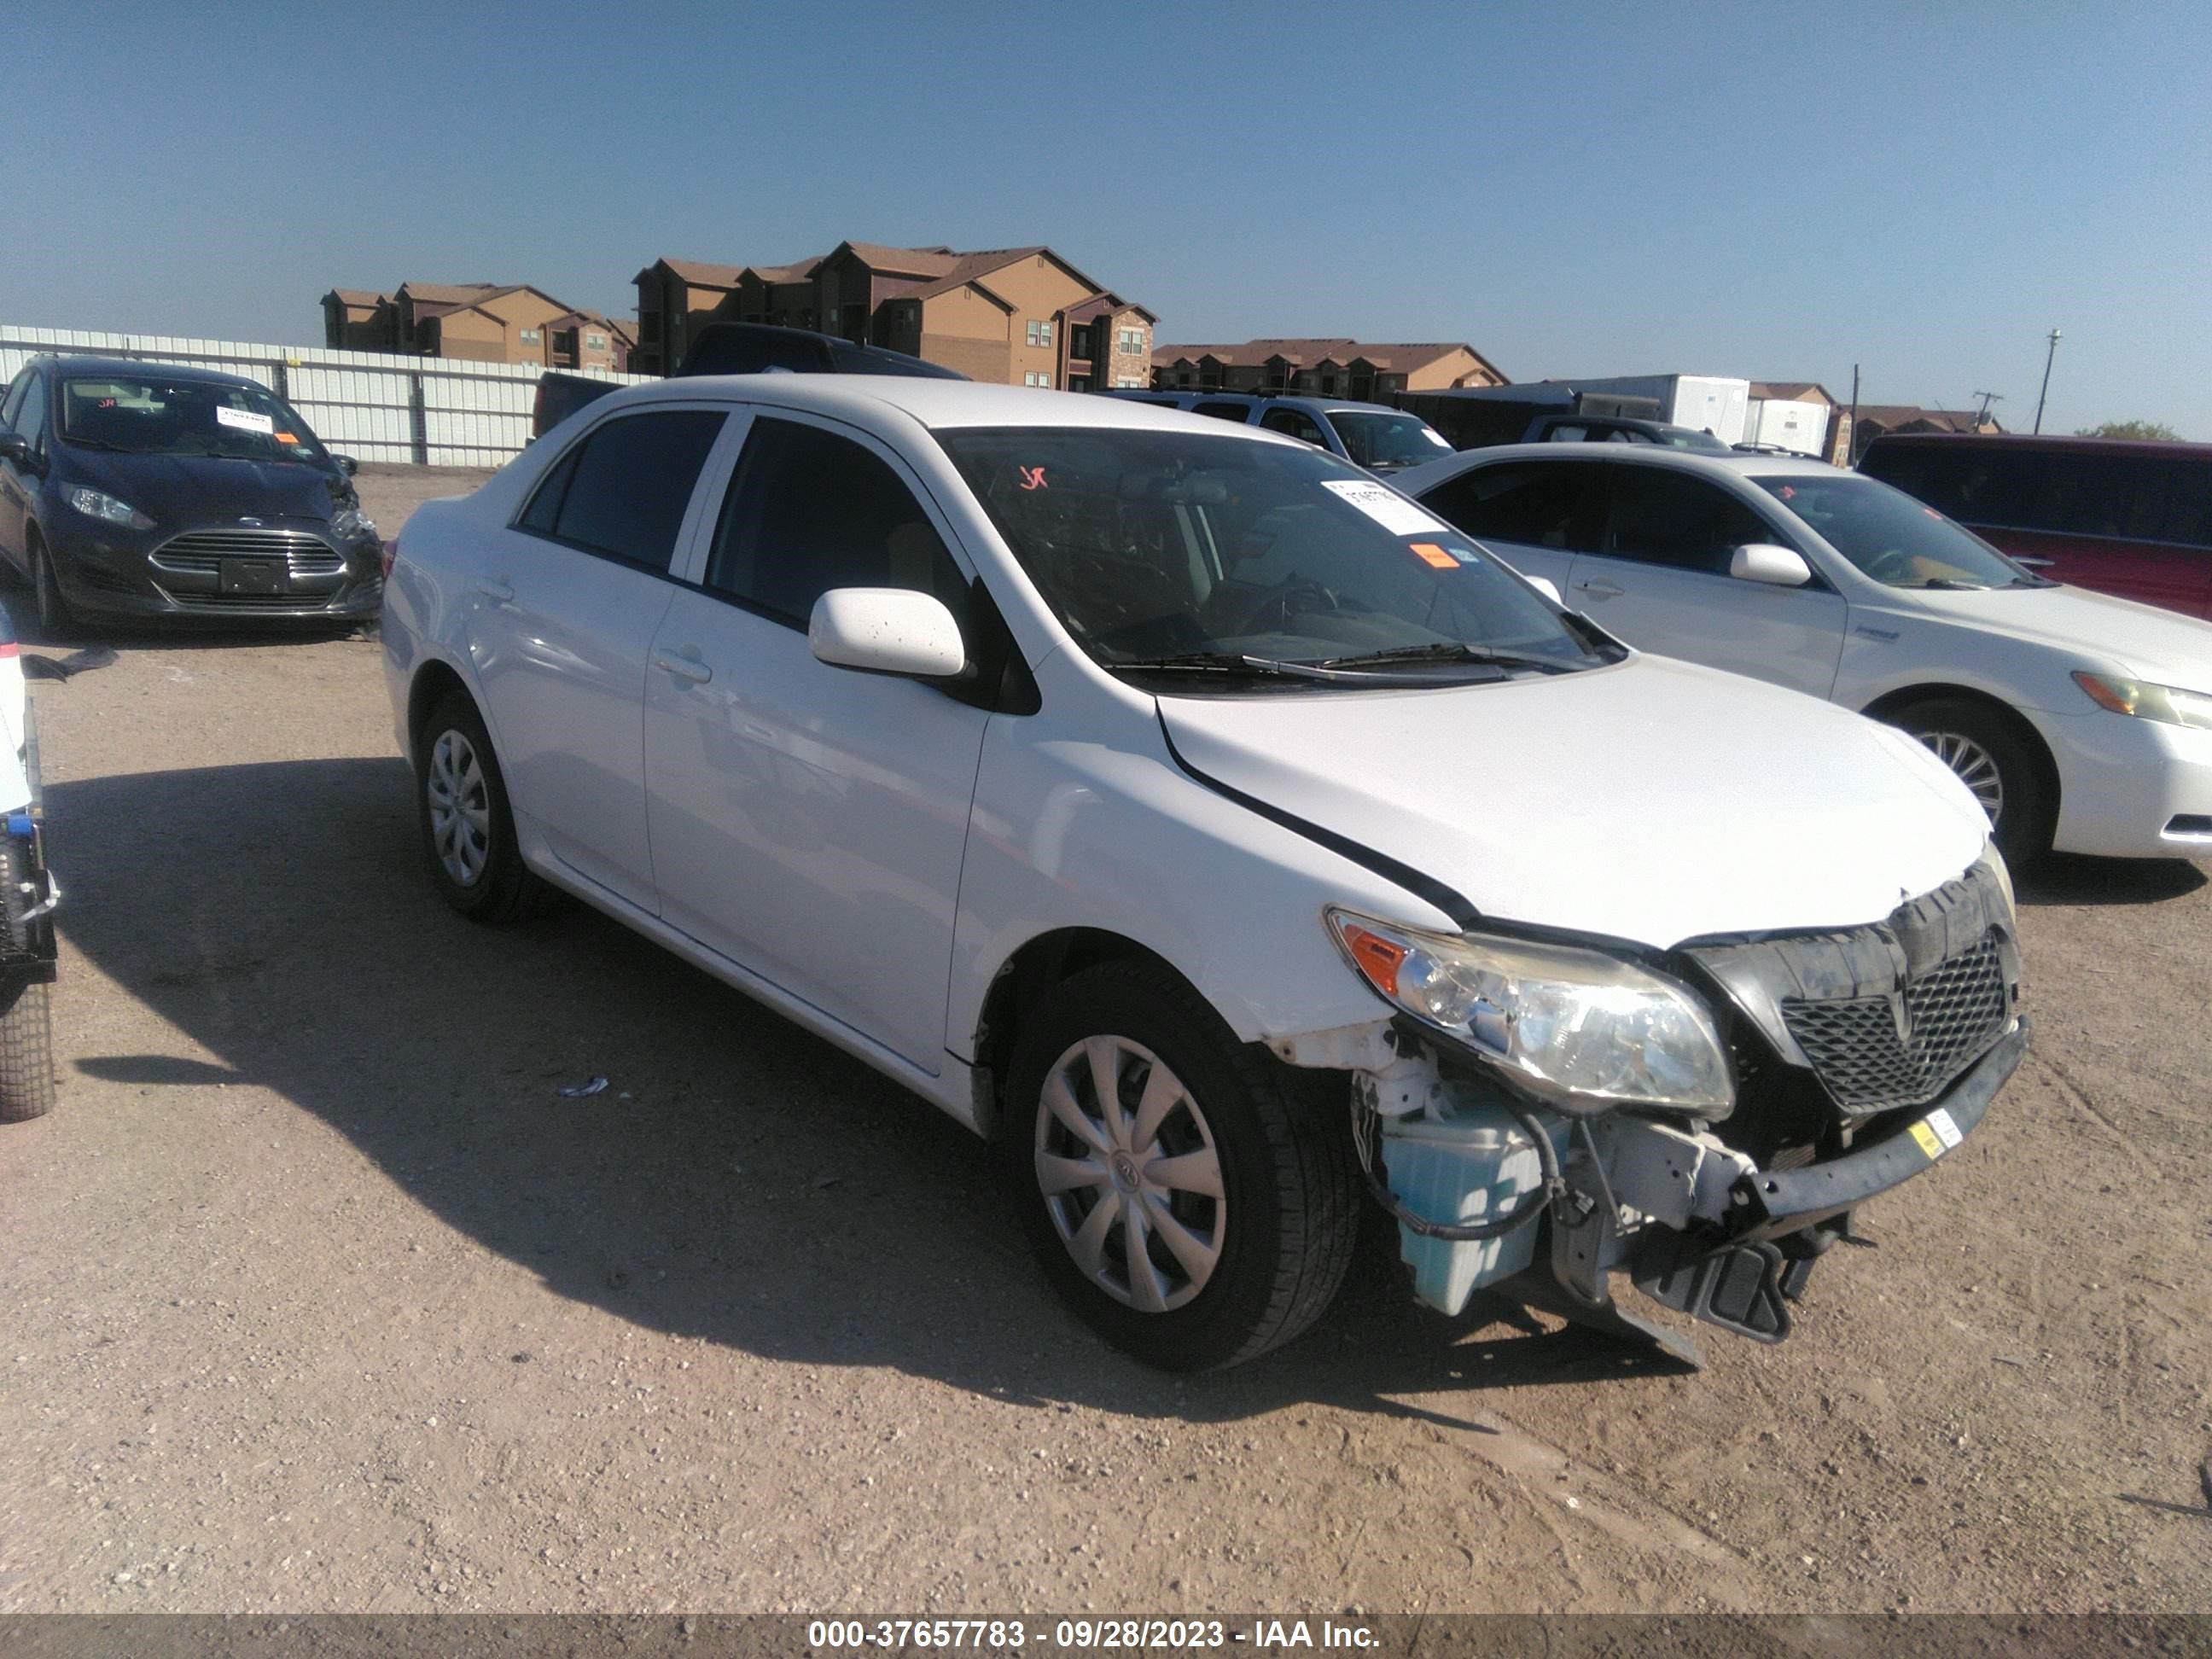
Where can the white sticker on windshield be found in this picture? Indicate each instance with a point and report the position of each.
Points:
(244, 419)
(1437, 439)
(1392, 511)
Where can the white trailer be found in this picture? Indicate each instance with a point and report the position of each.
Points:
(1801, 428)
(1704, 403)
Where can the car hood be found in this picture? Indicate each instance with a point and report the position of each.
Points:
(1653, 801)
(2156, 645)
(186, 489)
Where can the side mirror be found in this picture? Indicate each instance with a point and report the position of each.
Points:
(1763, 562)
(15, 447)
(886, 630)
(347, 464)
(1547, 587)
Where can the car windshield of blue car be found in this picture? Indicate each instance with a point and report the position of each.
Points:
(157, 416)
(1226, 560)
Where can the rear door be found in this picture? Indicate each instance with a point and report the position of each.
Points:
(808, 822)
(1536, 515)
(563, 619)
(1659, 579)
(22, 410)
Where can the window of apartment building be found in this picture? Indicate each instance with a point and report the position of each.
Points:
(1040, 334)
(1034, 378)
(1128, 380)
(1129, 339)
(529, 336)
(596, 342)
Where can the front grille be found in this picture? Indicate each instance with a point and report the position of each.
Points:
(201, 552)
(253, 601)
(1952, 1011)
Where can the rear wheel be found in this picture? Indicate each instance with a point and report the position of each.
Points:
(1999, 765)
(468, 828)
(1193, 1199)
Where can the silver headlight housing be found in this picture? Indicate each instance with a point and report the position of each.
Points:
(2169, 705)
(349, 522)
(1584, 1031)
(98, 504)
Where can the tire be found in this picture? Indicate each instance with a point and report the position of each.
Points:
(49, 605)
(1281, 1227)
(27, 1031)
(468, 829)
(1991, 756)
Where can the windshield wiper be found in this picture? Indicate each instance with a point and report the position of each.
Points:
(1448, 651)
(1237, 664)
(95, 443)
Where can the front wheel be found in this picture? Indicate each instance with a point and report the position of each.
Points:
(1193, 1199)
(48, 602)
(1996, 764)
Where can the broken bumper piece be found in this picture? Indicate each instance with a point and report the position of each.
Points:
(1697, 1224)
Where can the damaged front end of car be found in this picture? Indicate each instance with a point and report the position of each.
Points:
(1540, 1116)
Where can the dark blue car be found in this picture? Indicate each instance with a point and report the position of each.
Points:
(152, 491)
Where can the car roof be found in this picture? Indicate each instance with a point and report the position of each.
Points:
(74, 363)
(2044, 444)
(1742, 466)
(940, 404)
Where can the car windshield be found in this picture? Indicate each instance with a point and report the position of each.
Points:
(1893, 537)
(1181, 553)
(155, 415)
(1381, 443)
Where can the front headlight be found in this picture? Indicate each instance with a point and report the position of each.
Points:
(97, 504)
(349, 522)
(1585, 1030)
(2169, 704)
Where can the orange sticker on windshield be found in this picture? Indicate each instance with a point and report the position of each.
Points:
(286, 438)
(1432, 554)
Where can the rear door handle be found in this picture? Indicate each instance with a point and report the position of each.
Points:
(497, 590)
(688, 669)
(2032, 563)
(1599, 590)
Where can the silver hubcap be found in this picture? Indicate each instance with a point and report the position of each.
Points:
(460, 808)
(1129, 1173)
(1974, 766)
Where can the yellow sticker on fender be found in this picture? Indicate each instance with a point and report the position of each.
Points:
(1929, 1142)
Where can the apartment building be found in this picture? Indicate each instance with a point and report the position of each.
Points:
(1330, 367)
(1021, 316)
(483, 322)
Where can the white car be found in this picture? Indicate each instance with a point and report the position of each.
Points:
(28, 894)
(2079, 720)
(1221, 833)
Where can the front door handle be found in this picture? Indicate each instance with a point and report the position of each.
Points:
(2029, 562)
(496, 590)
(1599, 589)
(688, 669)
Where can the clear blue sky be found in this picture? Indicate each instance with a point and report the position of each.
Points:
(1769, 190)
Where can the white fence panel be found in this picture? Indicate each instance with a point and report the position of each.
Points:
(371, 405)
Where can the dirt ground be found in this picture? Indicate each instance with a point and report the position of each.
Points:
(319, 1296)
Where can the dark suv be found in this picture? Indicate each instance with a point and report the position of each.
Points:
(148, 490)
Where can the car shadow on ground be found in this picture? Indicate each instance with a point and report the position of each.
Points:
(2073, 878)
(738, 1180)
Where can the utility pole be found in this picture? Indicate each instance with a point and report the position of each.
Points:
(2041, 395)
(1987, 398)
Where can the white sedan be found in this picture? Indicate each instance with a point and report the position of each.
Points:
(2079, 720)
(1230, 838)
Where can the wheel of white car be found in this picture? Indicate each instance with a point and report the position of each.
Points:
(468, 828)
(1194, 1200)
(1996, 762)
(26, 1034)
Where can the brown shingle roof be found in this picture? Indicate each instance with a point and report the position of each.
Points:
(932, 262)
(1406, 356)
(1792, 391)
(967, 267)
(700, 273)
(359, 297)
(456, 294)
(1890, 416)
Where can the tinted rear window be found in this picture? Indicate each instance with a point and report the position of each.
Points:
(624, 491)
(2137, 497)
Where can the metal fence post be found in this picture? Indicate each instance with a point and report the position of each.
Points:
(418, 420)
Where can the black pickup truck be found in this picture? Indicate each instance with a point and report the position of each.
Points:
(739, 349)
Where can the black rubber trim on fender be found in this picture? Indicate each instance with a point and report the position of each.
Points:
(1446, 899)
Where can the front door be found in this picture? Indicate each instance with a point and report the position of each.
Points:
(1659, 580)
(808, 822)
(565, 609)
